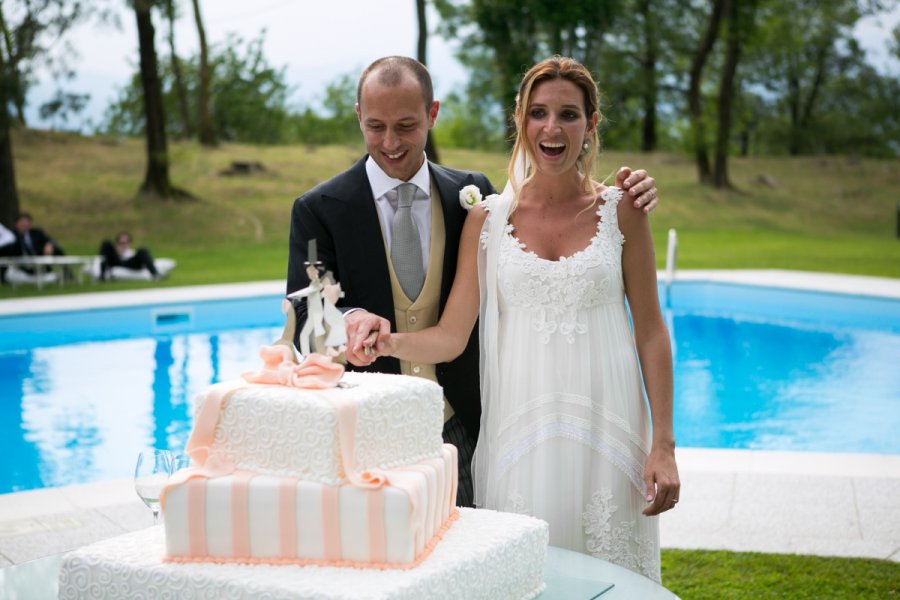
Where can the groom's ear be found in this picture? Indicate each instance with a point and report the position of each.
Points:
(433, 113)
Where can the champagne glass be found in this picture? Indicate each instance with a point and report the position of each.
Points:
(150, 475)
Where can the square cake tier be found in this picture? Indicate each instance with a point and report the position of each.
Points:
(291, 432)
(486, 555)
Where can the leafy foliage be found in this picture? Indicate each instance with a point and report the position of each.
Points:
(249, 96)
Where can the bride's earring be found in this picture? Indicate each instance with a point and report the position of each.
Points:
(585, 147)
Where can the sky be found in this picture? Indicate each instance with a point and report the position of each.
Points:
(316, 41)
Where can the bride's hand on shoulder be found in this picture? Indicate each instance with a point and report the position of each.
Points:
(661, 479)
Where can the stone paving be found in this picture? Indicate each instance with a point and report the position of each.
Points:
(779, 502)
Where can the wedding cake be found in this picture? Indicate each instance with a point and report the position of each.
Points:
(308, 482)
(353, 475)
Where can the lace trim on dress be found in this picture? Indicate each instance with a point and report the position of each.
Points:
(556, 290)
(515, 503)
(560, 428)
(634, 437)
(621, 544)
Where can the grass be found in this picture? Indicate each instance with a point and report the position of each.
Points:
(719, 575)
(823, 214)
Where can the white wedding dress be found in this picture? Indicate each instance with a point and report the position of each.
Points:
(565, 424)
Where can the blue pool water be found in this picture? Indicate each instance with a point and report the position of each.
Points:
(756, 368)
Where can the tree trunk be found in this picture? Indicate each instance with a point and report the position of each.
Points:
(206, 132)
(187, 130)
(695, 101)
(9, 195)
(726, 95)
(648, 71)
(13, 94)
(421, 52)
(156, 180)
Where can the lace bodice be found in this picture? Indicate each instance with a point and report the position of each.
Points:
(555, 291)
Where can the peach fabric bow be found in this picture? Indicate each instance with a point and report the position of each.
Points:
(316, 372)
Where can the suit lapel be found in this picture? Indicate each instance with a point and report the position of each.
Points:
(449, 183)
(367, 281)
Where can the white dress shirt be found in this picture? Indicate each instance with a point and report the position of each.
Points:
(383, 189)
(6, 236)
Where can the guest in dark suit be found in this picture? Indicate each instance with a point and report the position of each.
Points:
(121, 254)
(355, 220)
(33, 241)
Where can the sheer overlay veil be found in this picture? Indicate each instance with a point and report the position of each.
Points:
(499, 207)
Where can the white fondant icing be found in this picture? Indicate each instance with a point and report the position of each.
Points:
(409, 526)
(285, 431)
(176, 521)
(309, 520)
(354, 523)
(265, 531)
(486, 555)
(219, 538)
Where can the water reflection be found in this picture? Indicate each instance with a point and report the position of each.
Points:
(758, 385)
(79, 413)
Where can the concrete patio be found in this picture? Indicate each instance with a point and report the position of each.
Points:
(739, 500)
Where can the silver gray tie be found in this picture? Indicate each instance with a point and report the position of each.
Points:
(406, 247)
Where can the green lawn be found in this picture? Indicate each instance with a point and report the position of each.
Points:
(831, 214)
(823, 214)
(718, 575)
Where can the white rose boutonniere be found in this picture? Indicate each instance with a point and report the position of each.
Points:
(469, 196)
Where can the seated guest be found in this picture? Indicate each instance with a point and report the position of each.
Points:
(33, 241)
(122, 255)
(7, 248)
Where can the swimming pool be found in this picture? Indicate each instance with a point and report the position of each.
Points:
(755, 367)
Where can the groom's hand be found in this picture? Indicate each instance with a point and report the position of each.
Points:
(639, 187)
(360, 325)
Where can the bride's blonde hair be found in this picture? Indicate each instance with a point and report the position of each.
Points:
(555, 67)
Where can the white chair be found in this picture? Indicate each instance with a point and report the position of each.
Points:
(164, 266)
(16, 276)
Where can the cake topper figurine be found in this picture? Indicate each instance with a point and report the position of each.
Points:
(323, 332)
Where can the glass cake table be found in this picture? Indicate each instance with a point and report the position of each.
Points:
(568, 575)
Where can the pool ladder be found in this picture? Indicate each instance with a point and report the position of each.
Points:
(671, 256)
(669, 277)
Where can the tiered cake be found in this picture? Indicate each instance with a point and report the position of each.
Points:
(356, 475)
(336, 493)
(309, 487)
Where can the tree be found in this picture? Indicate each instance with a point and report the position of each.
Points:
(421, 51)
(29, 30)
(738, 19)
(204, 118)
(802, 49)
(695, 99)
(187, 128)
(249, 99)
(642, 69)
(156, 179)
(505, 37)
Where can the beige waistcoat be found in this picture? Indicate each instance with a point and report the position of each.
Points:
(413, 316)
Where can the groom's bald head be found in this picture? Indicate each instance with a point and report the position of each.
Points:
(390, 71)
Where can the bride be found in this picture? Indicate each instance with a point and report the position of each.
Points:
(566, 432)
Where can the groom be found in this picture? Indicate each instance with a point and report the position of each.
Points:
(360, 215)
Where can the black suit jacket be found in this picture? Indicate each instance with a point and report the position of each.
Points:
(340, 214)
(39, 239)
